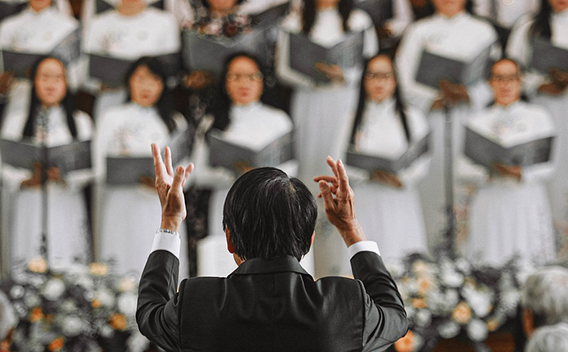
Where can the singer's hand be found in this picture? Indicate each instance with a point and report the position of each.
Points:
(35, 180)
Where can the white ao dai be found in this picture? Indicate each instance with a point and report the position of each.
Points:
(510, 217)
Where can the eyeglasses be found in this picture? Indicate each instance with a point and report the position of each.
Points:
(505, 78)
(250, 77)
(378, 76)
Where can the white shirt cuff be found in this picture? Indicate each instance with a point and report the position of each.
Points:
(167, 242)
(363, 246)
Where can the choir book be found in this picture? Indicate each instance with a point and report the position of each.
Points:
(546, 56)
(208, 53)
(9, 8)
(486, 152)
(228, 154)
(128, 170)
(103, 5)
(434, 68)
(379, 10)
(304, 54)
(68, 157)
(394, 166)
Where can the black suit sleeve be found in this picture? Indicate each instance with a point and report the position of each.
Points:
(158, 312)
(385, 317)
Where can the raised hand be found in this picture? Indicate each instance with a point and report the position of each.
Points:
(169, 186)
(339, 202)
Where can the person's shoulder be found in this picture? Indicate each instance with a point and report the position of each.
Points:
(292, 22)
(274, 112)
(360, 19)
(480, 23)
(535, 111)
(155, 14)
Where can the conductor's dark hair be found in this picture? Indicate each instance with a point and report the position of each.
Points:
(269, 214)
(164, 105)
(68, 103)
(221, 107)
(399, 107)
(205, 3)
(541, 27)
(309, 14)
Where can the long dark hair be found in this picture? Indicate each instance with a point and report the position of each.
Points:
(541, 26)
(221, 107)
(399, 107)
(68, 103)
(164, 105)
(309, 14)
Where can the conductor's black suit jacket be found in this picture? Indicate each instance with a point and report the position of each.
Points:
(270, 305)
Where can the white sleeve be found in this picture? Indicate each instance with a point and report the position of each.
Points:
(417, 171)
(182, 11)
(403, 16)
(407, 61)
(171, 42)
(363, 246)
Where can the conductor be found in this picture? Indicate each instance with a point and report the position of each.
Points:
(269, 303)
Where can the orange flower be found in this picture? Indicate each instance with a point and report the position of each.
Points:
(462, 313)
(118, 321)
(419, 303)
(98, 269)
(36, 314)
(37, 265)
(424, 286)
(96, 303)
(56, 344)
(492, 324)
(406, 344)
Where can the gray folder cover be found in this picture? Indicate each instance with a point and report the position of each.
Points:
(433, 68)
(208, 53)
(109, 70)
(304, 54)
(68, 157)
(546, 56)
(372, 163)
(69, 49)
(226, 154)
(129, 170)
(379, 10)
(486, 152)
(8, 9)
(18, 63)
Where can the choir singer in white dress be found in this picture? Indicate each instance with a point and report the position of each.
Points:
(127, 131)
(320, 112)
(51, 117)
(383, 126)
(451, 32)
(548, 89)
(245, 120)
(510, 215)
(36, 30)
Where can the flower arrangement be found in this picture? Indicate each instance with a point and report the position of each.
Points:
(76, 308)
(448, 298)
(228, 26)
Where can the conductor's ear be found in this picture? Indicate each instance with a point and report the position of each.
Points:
(230, 246)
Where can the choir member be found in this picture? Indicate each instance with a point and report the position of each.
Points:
(36, 30)
(51, 119)
(320, 111)
(127, 130)
(548, 89)
(243, 119)
(510, 214)
(130, 31)
(451, 32)
(385, 127)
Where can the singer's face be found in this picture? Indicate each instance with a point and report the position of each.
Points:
(39, 5)
(243, 81)
(449, 7)
(379, 79)
(327, 3)
(558, 5)
(50, 82)
(222, 5)
(145, 87)
(506, 82)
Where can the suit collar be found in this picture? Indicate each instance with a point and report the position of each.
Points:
(275, 265)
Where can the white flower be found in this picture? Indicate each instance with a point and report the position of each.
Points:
(423, 317)
(448, 330)
(451, 278)
(410, 311)
(31, 299)
(68, 306)
(85, 282)
(478, 300)
(127, 284)
(510, 300)
(105, 296)
(72, 325)
(463, 266)
(137, 342)
(127, 303)
(53, 289)
(477, 330)
(17, 291)
(106, 331)
(396, 268)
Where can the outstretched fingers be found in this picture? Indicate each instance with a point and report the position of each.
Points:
(159, 167)
(343, 180)
(168, 155)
